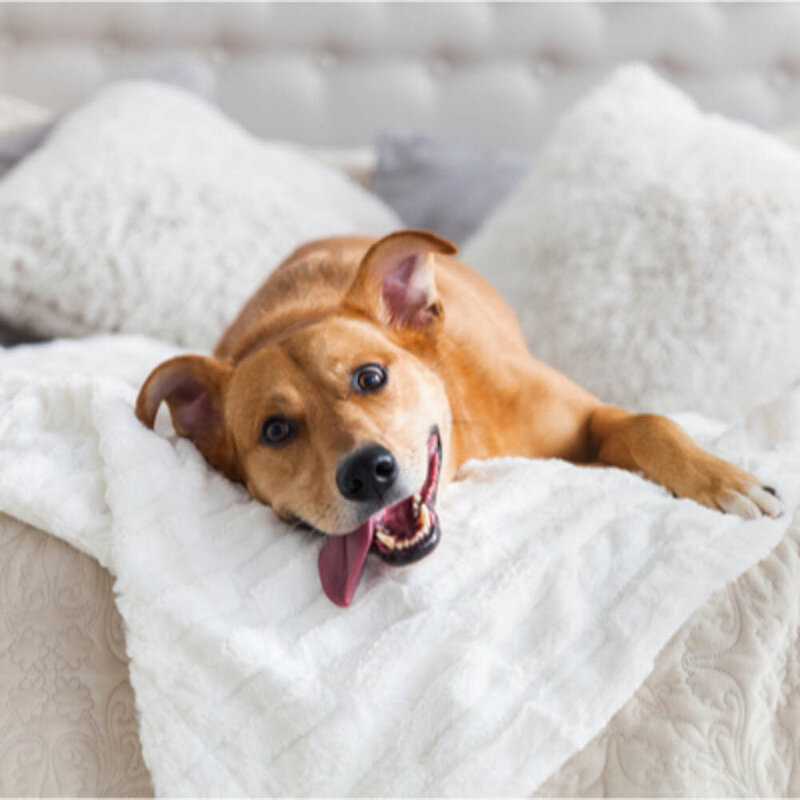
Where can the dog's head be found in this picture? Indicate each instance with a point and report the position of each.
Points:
(339, 421)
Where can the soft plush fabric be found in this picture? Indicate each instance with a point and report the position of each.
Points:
(441, 187)
(720, 714)
(477, 671)
(653, 254)
(15, 116)
(147, 211)
(34, 123)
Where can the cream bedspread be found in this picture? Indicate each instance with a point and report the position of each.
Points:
(68, 724)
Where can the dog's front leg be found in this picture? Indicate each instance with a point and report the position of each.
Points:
(662, 452)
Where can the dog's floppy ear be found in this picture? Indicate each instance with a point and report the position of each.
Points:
(193, 388)
(395, 280)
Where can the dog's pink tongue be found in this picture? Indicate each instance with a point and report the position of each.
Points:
(341, 562)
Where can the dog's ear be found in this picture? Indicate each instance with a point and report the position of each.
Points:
(395, 280)
(193, 388)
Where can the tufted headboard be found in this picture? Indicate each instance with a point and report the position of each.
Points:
(337, 74)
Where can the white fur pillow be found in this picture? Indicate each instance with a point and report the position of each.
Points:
(653, 254)
(148, 211)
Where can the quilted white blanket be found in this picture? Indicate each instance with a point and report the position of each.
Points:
(476, 672)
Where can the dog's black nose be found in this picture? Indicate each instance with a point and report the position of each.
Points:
(367, 473)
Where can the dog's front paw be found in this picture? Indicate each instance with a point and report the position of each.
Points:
(720, 485)
(751, 501)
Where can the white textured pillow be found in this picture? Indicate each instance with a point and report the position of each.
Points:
(147, 211)
(653, 254)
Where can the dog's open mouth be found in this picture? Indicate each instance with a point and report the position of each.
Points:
(400, 534)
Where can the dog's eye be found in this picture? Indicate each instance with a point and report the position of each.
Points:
(277, 430)
(369, 378)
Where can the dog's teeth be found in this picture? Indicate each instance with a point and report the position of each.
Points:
(424, 519)
(384, 538)
(421, 529)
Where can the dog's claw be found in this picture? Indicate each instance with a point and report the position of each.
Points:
(734, 491)
(767, 500)
(735, 503)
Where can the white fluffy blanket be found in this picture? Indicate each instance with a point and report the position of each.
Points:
(478, 671)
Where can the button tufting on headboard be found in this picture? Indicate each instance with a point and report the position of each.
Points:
(496, 74)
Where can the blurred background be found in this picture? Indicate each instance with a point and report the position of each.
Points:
(339, 74)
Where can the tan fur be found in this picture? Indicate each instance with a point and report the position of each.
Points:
(461, 363)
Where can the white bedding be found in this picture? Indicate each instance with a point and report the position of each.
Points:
(478, 671)
(719, 716)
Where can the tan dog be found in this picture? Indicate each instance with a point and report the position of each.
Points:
(361, 376)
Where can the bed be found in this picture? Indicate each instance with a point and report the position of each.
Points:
(419, 102)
